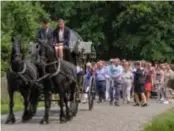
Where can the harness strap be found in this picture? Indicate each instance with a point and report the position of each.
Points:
(43, 77)
(20, 74)
(23, 78)
(55, 62)
(58, 69)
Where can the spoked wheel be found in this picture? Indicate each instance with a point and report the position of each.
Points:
(91, 94)
(74, 105)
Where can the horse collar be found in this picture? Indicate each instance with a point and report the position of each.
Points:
(23, 70)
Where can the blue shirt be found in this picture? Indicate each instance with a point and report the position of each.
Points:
(87, 78)
(100, 74)
(107, 71)
(116, 72)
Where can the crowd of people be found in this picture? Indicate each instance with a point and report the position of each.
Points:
(127, 81)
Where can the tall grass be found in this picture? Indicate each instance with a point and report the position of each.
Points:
(163, 122)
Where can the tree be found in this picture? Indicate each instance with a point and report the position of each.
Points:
(132, 30)
(18, 18)
(146, 30)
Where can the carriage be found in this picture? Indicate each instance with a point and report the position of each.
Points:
(85, 52)
(59, 73)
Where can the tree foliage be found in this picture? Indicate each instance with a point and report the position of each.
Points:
(19, 19)
(132, 30)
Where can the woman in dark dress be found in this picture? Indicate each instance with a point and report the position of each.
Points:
(139, 89)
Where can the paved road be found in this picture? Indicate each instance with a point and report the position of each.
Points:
(102, 118)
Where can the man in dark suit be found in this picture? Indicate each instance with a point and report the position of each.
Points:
(45, 33)
(61, 36)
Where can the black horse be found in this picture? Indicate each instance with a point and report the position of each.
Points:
(61, 80)
(19, 75)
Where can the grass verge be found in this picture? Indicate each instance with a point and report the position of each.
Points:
(18, 103)
(163, 122)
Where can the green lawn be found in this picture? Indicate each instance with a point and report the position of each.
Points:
(163, 122)
(18, 101)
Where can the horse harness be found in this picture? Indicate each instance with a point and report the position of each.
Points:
(47, 75)
(20, 74)
(58, 71)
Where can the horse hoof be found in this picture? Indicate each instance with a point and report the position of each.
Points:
(74, 114)
(44, 121)
(11, 119)
(7, 121)
(26, 118)
(70, 114)
(41, 122)
(47, 122)
(63, 120)
(69, 118)
(23, 121)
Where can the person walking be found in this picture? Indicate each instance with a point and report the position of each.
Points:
(127, 81)
(139, 81)
(87, 81)
(167, 76)
(148, 80)
(116, 72)
(159, 81)
(100, 77)
(108, 81)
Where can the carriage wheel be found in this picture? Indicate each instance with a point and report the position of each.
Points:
(74, 105)
(91, 94)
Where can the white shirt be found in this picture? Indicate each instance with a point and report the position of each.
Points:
(127, 77)
(79, 69)
(46, 31)
(61, 32)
